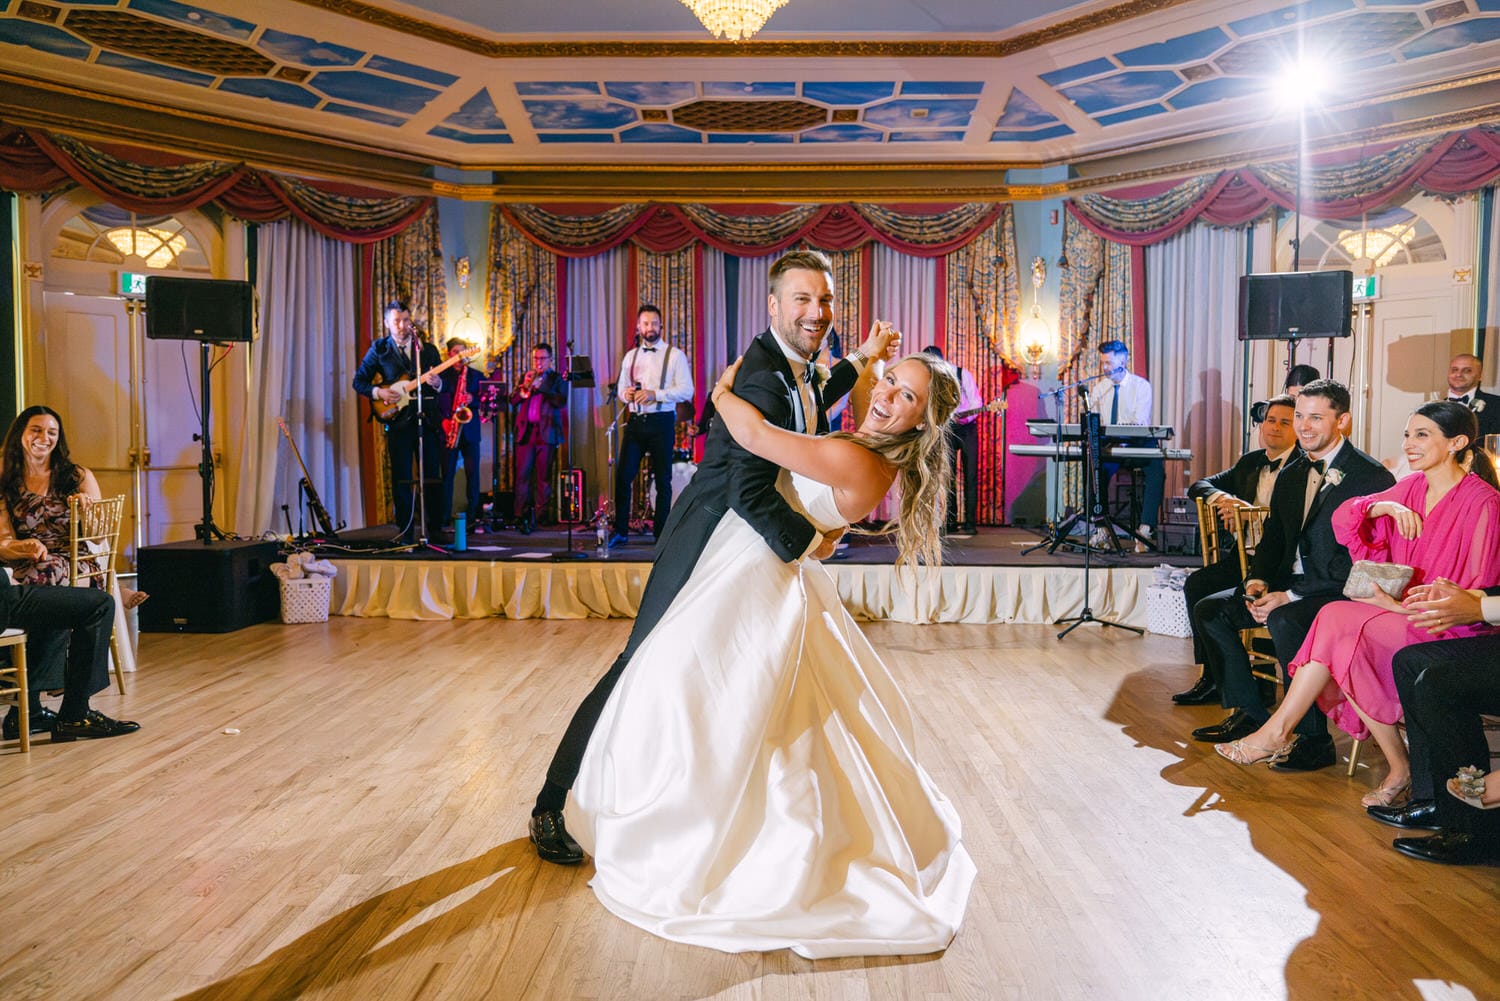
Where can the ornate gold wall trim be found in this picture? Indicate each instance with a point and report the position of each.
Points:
(754, 48)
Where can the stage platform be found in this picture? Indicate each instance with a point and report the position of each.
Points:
(987, 578)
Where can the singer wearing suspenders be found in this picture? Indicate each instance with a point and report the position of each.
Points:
(654, 378)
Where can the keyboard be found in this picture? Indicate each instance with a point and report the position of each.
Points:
(1073, 432)
(1073, 452)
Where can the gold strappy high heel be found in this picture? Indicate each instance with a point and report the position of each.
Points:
(1386, 797)
(1242, 752)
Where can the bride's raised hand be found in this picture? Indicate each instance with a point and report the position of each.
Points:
(884, 341)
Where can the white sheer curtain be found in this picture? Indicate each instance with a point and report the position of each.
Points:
(715, 354)
(598, 327)
(1491, 317)
(904, 291)
(1192, 295)
(754, 288)
(300, 370)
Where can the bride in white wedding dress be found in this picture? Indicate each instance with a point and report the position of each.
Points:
(752, 783)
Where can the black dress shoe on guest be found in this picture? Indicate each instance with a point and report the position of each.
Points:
(93, 725)
(1236, 726)
(1449, 848)
(1308, 755)
(552, 841)
(1413, 815)
(40, 721)
(1202, 693)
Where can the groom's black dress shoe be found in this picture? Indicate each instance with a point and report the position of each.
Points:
(1309, 753)
(1450, 848)
(552, 840)
(1235, 726)
(1414, 815)
(1202, 693)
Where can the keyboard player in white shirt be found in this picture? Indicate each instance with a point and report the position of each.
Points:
(1126, 399)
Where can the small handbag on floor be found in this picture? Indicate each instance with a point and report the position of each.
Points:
(1367, 575)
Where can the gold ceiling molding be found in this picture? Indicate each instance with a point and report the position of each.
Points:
(753, 48)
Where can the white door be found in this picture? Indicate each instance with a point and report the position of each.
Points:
(1411, 344)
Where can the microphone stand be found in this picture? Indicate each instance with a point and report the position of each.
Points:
(420, 505)
(1058, 532)
(1095, 506)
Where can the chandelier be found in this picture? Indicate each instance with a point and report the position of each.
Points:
(158, 247)
(735, 20)
(1378, 245)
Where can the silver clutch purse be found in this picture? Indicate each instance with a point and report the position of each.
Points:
(1366, 576)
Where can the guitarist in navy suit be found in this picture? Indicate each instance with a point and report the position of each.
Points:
(1298, 568)
(1247, 483)
(393, 358)
(779, 378)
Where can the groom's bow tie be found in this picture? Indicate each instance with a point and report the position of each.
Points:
(1318, 465)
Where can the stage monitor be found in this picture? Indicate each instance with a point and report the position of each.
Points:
(1296, 305)
(200, 309)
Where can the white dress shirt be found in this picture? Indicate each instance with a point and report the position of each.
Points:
(643, 366)
(968, 396)
(1315, 481)
(1134, 395)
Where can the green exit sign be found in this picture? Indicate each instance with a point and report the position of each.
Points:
(132, 284)
(1366, 288)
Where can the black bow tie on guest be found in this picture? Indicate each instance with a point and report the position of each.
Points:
(1317, 465)
(1459, 399)
(648, 349)
(1272, 464)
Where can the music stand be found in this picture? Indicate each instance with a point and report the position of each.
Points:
(580, 375)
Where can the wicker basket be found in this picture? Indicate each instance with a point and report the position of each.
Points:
(306, 599)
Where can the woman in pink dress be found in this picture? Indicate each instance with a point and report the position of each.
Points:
(1444, 521)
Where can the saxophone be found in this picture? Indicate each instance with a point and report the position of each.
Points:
(462, 414)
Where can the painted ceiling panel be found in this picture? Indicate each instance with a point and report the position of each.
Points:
(1082, 71)
(166, 72)
(196, 18)
(1120, 117)
(1122, 89)
(1284, 16)
(656, 132)
(607, 138)
(1053, 132)
(747, 138)
(844, 133)
(1022, 112)
(926, 137)
(396, 67)
(364, 114)
(555, 88)
(487, 138)
(271, 90)
(367, 88)
(941, 88)
(478, 113)
(923, 114)
(44, 38)
(1218, 89)
(579, 115)
(1454, 36)
(307, 51)
(1182, 49)
(845, 92)
(656, 94)
(719, 88)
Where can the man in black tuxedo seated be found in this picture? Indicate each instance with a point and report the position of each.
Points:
(1247, 483)
(1444, 687)
(1298, 568)
(1464, 373)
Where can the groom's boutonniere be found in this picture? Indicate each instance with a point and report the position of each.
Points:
(1477, 406)
(1333, 478)
(820, 375)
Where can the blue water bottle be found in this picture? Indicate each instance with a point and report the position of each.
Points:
(461, 532)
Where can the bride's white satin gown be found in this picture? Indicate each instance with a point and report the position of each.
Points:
(752, 783)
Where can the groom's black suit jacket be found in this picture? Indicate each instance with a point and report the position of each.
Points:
(1325, 562)
(728, 479)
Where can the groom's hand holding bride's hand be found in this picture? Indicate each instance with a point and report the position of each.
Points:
(828, 546)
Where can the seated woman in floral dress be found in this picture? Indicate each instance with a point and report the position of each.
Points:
(37, 478)
(1444, 521)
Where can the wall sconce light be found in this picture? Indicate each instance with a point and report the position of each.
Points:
(1036, 335)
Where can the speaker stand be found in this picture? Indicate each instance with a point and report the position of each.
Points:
(206, 531)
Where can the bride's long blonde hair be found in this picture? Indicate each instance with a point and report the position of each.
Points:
(924, 471)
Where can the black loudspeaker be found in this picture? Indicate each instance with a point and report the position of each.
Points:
(214, 588)
(1296, 305)
(200, 309)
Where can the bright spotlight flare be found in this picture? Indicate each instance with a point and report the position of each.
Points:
(735, 20)
(1300, 84)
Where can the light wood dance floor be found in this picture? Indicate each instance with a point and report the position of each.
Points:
(362, 836)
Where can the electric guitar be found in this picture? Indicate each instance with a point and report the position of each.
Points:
(319, 512)
(994, 406)
(388, 411)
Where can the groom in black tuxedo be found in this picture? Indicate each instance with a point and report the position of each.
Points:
(779, 379)
(1298, 568)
